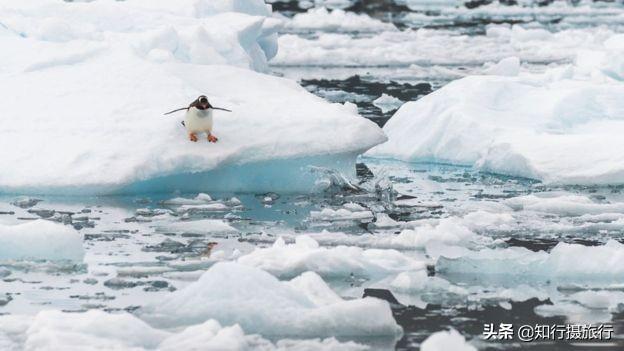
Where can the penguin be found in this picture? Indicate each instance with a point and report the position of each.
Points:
(198, 118)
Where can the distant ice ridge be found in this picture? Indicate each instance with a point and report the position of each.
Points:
(40, 240)
(234, 293)
(96, 84)
(426, 47)
(561, 126)
(97, 330)
(336, 20)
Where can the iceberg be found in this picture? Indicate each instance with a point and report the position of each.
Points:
(40, 240)
(102, 131)
(560, 126)
(232, 293)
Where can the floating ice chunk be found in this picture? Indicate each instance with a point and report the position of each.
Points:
(605, 262)
(200, 199)
(574, 312)
(382, 220)
(483, 220)
(234, 293)
(448, 231)
(602, 299)
(387, 103)
(203, 226)
(342, 214)
(564, 205)
(509, 66)
(446, 340)
(213, 207)
(521, 292)
(559, 129)
(40, 240)
(305, 254)
(337, 20)
(422, 233)
(415, 282)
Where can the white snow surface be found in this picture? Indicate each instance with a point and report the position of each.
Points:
(559, 127)
(40, 240)
(97, 330)
(234, 293)
(89, 83)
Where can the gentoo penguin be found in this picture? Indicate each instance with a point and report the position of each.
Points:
(198, 118)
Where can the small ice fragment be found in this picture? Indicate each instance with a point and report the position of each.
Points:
(446, 340)
(387, 103)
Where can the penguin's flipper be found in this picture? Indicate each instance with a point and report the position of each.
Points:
(221, 109)
(180, 109)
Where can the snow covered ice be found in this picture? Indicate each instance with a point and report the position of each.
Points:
(168, 55)
(560, 126)
(394, 175)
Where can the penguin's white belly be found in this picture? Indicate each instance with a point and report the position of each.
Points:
(198, 121)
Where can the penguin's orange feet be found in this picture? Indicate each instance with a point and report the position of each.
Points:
(192, 137)
(212, 138)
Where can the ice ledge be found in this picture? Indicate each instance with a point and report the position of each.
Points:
(288, 175)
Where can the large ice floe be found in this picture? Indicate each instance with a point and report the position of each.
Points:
(560, 126)
(97, 330)
(122, 65)
(234, 293)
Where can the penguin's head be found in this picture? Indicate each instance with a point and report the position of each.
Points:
(202, 102)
